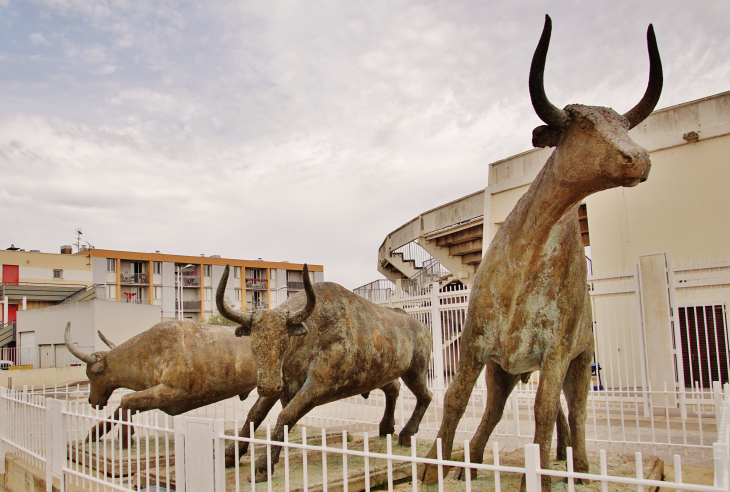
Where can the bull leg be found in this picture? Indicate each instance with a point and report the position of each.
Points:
(159, 396)
(499, 386)
(455, 401)
(552, 375)
(257, 414)
(417, 383)
(563, 434)
(387, 425)
(101, 428)
(305, 400)
(576, 388)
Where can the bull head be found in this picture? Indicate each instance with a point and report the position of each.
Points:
(99, 388)
(579, 131)
(270, 331)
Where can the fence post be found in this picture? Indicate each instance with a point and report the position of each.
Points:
(199, 465)
(180, 475)
(532, 465)
(56, 445)
(219, 432)
(438, 344)
(3, 427)
(717, 390)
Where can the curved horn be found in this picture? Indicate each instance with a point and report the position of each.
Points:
(89, 359)
(656, 80)
(105, 340)
(304, 313)
(244, 319)
(555, 117)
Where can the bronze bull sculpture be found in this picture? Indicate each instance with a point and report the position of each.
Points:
(325, 344)
(530, 307)
(175, 366)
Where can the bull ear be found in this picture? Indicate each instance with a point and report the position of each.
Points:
(243, 331)
(100, 365)
(298, 330)
(546, 136)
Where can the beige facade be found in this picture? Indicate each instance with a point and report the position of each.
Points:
(679, 210)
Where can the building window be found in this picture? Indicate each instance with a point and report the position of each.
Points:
(206, 270)
(238, 294)
(273, 274)
(157, 267)
(111, 292)
(158, 293)
(111, 265)
(57, 273)
(236, 272)
(208, 294)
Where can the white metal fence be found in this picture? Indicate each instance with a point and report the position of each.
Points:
(187, 452)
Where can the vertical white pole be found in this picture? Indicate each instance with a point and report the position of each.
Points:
(438, 345)
(25, 303)
(532, 463)
(4, 426)
(5, 309)
(180, 468)
(219, 433)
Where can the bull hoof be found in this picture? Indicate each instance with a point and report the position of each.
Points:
(262, 476)
(404, 440)
(386, 430)
(460, 475)
(430, 473)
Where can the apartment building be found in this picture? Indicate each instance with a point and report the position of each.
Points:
(31, 279)
(184, 286)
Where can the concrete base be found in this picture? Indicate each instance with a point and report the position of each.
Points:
(113, 461)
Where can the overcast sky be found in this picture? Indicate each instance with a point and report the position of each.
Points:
(300, 130)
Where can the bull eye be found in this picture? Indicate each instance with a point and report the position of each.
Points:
(583, 125)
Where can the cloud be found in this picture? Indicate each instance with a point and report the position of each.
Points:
(295, 131)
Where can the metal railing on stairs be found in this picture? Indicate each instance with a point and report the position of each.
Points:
(81, 294)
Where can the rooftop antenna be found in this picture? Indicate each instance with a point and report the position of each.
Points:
(78, 239)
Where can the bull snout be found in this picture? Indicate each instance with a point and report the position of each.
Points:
(633, 167)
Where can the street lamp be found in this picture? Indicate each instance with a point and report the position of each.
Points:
(180, 290)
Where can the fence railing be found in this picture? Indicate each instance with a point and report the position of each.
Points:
(188, 452)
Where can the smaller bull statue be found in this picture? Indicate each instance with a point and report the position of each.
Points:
(325, 344)
(175, 366)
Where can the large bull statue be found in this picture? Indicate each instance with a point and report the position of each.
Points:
(326, 344)
(175, 366)
(530, 308)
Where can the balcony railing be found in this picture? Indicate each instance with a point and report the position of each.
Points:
(257, 284)
(134, 300)
(295, 285)
(257, 305)
(135, 278)
(190, 281)
(188, 305)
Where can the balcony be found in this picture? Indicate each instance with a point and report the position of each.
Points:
(135, 279)
(251, 306)
(188, 306)
(256, 284)
(295, 285)
(189, 281)
(134, 300)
